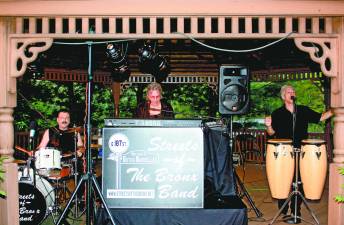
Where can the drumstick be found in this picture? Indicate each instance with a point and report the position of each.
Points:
(23, 150)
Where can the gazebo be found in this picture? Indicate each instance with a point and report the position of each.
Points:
(315, 27)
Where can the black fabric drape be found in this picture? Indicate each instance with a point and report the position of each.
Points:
(175, 216)
(218, 163)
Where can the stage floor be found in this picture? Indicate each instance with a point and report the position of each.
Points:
(256, 183)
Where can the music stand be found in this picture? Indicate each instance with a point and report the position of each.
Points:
(295, 185)
(89, 177)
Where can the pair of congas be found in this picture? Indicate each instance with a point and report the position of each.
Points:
(280, 167)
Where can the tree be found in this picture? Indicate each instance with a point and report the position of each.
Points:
(187, 100)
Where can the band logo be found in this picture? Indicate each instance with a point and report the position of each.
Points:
(162, 167)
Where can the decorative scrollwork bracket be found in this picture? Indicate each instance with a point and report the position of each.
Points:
(324, 52)
(25, 51)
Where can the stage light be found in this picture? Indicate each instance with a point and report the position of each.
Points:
(152, 63)
(163, 69)
(35, 69)
(118, 63)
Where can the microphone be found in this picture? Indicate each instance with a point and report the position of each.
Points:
(293, 98)
(33, 127)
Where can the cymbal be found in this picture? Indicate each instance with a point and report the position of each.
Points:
(67, 155)
(73, 129)
(95, 146)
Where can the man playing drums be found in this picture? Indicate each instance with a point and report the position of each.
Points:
(280, 125)
(62, 137)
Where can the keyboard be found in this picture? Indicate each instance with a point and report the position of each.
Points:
(119, 122)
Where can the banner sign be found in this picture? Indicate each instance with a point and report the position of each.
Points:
(153, 167)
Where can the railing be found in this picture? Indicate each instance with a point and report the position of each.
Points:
(156, 27)
(22, 139)
(260, 141)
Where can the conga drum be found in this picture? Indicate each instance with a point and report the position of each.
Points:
(313, 167)
(280, 167)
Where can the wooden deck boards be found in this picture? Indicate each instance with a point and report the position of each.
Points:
(255, 181)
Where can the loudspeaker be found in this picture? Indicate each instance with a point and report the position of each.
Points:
(233, 89)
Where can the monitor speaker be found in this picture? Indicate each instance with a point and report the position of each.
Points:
(233, 89)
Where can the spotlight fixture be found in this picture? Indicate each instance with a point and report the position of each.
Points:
(118, 63)
(152, 63)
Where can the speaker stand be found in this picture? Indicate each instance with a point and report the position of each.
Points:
(241, 185)
(89, 177)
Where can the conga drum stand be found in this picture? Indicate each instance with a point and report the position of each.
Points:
(297, 194)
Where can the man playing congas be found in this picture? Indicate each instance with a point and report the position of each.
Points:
(280, 125)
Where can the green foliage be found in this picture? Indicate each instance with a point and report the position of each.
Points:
(190, 101)
(2, 173)
(187, 100)
(128, 103)
(340, 198)
(102, 105)
(45, 97)
(265, 98)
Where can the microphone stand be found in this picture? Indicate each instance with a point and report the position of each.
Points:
(32, 158)
(296, 182)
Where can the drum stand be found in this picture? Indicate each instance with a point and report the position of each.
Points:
(76, 173)
(54, 209)
(296, 193)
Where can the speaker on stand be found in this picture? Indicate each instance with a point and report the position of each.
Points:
(233, 89)
(234, 100)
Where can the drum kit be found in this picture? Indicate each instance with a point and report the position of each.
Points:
(282, 160)
(42, 192)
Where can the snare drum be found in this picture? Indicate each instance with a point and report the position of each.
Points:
(313, 167)
(280, 167)
(34, 202)
(65, 171)
(48, 158)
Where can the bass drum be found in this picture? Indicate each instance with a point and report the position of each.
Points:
(34, 202)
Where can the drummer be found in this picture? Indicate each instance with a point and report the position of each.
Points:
(62, 137)
(280, 125)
